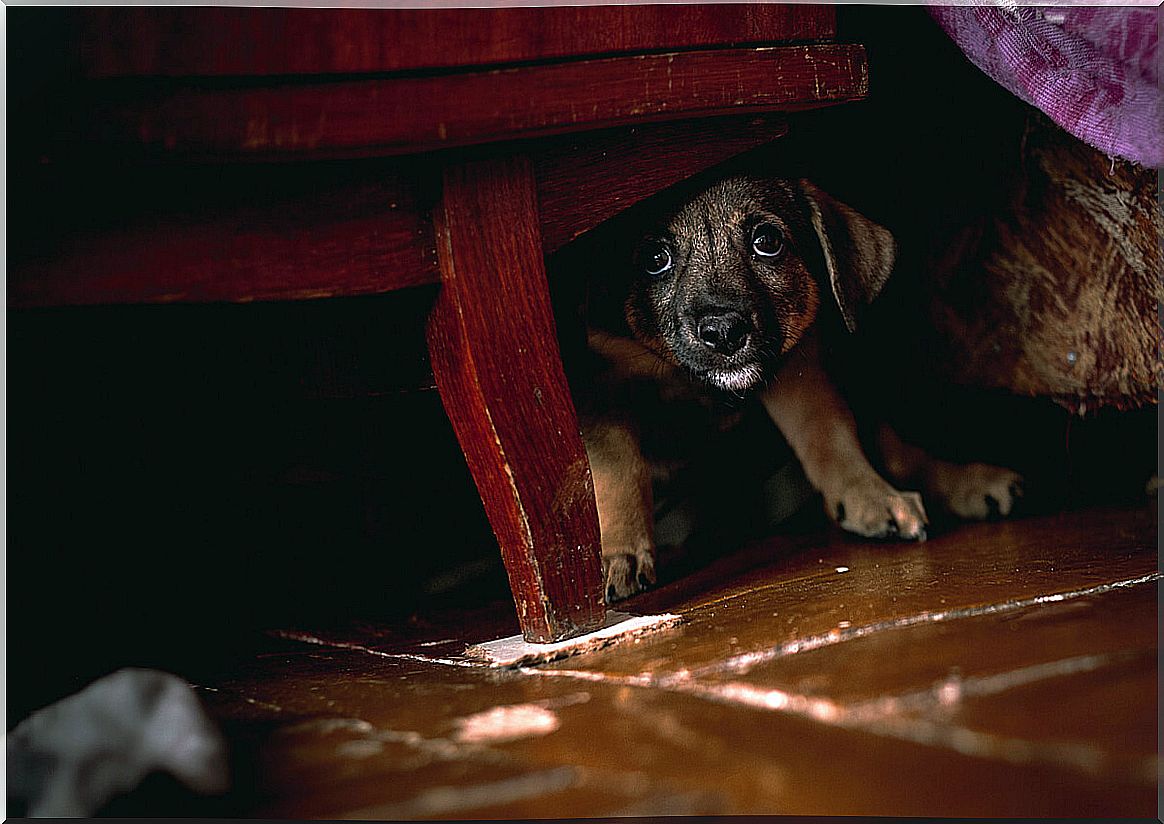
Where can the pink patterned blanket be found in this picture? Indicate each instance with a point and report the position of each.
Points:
(1094, 71)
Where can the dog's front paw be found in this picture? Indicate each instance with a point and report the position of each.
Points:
(978, 491)
(872, 508)
(627, 572)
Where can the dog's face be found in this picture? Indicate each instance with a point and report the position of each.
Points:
(733, 279)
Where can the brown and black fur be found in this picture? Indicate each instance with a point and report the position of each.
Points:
(1057, 293)
(752, 279)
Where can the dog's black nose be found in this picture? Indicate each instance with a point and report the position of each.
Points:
(725, 333)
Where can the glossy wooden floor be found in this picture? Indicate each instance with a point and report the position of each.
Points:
(999, 669)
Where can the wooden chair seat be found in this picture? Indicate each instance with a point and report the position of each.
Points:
(513, 131)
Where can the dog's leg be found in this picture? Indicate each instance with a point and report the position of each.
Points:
(821, 430)
(622, 490)
(973, 491)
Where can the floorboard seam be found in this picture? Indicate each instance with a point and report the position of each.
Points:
(742, 663)
(1082, 758)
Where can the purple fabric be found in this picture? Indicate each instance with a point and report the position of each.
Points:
(1094, 71)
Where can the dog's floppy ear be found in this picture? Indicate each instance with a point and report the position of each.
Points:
(858, 253)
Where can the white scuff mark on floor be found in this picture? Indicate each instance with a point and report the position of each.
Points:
(397, 656)
(515, 651)
(506, 723)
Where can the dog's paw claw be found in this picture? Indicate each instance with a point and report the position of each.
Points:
(626, 573)
(872, 508)
(981, 492)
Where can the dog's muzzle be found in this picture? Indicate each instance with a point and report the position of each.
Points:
(719, 349)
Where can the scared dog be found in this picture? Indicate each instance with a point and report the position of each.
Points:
(731, 298)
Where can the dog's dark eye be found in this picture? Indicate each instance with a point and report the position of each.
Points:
(655, 258)
(767, 240)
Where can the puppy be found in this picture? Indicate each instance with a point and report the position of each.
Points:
(725, 301)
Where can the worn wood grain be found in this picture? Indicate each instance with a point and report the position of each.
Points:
(966, 660)
(619, 750)
(867, 584)
(403, 114)
(495, 357)
(584, 180)
(214, 42)
(355, 238)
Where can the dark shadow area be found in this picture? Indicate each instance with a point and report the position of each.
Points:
(183, 476)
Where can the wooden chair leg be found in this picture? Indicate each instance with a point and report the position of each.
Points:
(492, 339)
